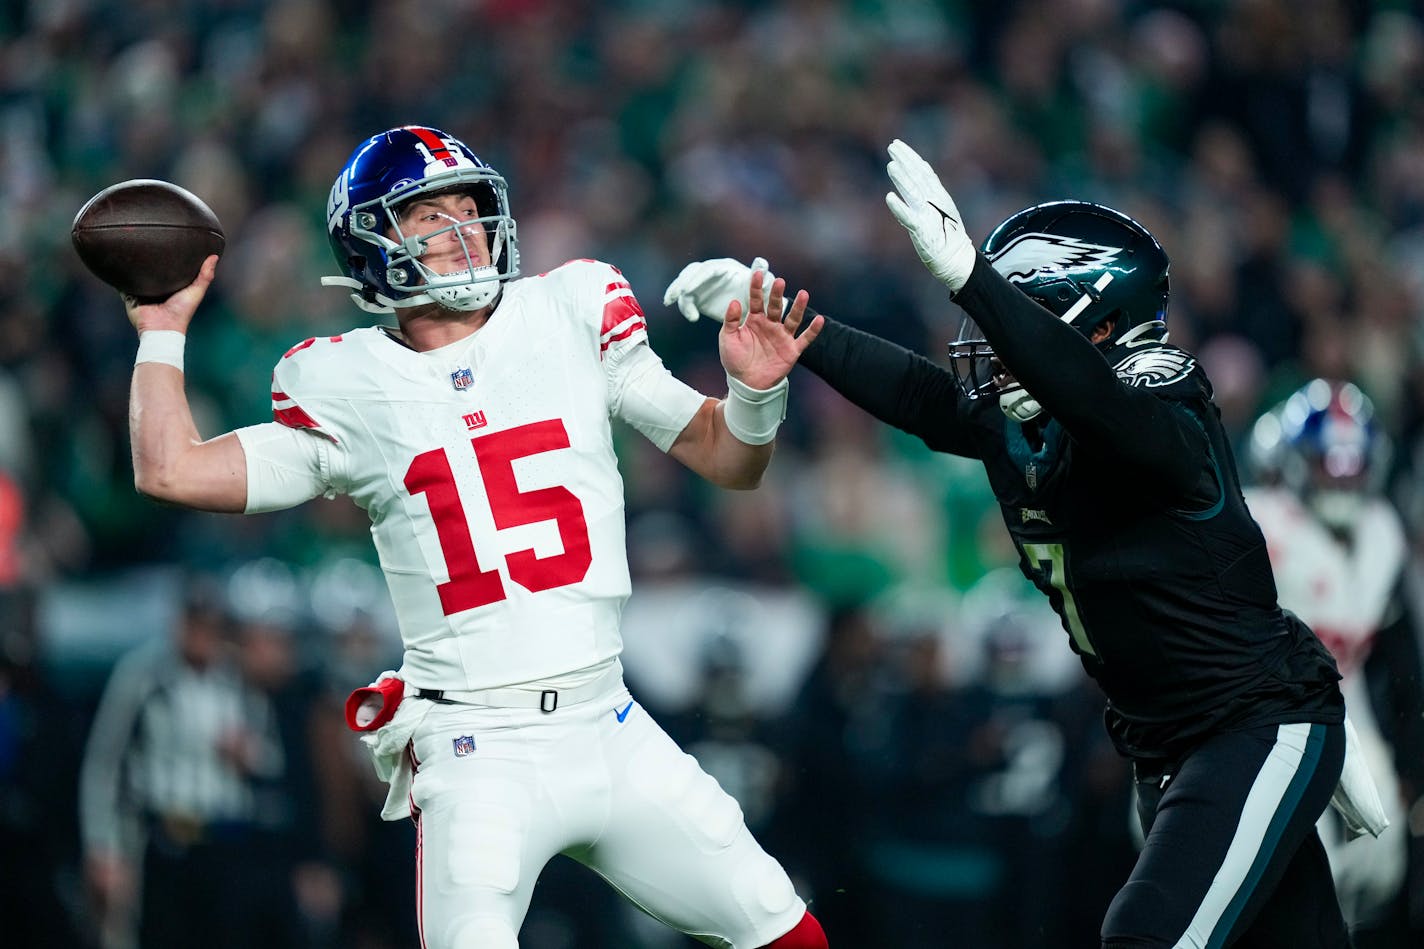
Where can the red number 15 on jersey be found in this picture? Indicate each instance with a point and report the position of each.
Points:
(468, 586)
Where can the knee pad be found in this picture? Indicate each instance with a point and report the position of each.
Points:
(1135, 917)
(483, 932)
(806, 934)
(485, 843)
(761, 887)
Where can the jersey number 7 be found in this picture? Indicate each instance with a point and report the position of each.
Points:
(469, 586)
(1050, 563)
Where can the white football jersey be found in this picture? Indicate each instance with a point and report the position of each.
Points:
(488, 471)
(1342, 589)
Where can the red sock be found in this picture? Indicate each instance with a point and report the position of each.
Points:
(807, 934)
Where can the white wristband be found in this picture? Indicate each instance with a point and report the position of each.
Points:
(165, 346)
(754, 415)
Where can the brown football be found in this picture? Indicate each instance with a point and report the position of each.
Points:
(146, 237)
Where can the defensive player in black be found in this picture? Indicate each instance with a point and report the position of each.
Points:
(1117, 483)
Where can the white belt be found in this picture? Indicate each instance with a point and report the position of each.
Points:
(546, 700)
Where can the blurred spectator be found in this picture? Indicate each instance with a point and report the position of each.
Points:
(1234, 366)
(724, 726)
(878, 528)
(932, 859)
(168, 803)
(354, 616)
(293, 894)
(33, 779)
(824, 738)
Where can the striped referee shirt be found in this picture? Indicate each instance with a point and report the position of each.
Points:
(154, 748)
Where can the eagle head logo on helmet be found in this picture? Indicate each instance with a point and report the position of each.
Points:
(1031, 255)
(380, 263)
(1087, 264)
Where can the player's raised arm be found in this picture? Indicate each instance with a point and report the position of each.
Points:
(171, 460)
(730, 442)
(898, 387)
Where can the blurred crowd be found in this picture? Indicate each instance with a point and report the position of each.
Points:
(911, 738)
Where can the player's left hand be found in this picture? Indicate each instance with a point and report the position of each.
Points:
(706, 287)
(760, 350)
(927, 211)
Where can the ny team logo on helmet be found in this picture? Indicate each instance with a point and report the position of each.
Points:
(1085, 263)
(1332, 423)
(1331, 450)
(380, 263)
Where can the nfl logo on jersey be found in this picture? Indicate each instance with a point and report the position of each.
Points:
(464, 745)
(462, 379)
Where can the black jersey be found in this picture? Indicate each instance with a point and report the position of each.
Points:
(1125, 505)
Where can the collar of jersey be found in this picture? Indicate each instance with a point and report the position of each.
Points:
(1046, 456)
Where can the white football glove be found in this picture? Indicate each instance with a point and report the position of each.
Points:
(927, 211)
(706, 287)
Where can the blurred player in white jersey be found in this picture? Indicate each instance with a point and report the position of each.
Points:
(476, 433)
(1338, 551)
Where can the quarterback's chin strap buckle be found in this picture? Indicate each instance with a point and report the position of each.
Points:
(548, 700)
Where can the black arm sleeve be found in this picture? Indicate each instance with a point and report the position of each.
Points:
(891, 383)
(1072, 381)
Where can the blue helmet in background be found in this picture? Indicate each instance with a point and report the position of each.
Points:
(380, 263)
(1332, 453)
(1266, 448)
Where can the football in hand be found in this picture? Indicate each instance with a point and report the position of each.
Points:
(146, 238)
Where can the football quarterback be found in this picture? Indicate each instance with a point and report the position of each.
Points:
(476, 433)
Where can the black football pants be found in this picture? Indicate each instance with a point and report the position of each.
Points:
(1231, 857)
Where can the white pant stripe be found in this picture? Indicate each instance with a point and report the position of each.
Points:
(1262, 802)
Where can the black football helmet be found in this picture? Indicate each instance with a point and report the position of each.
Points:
(1085, 263)
(381, 263)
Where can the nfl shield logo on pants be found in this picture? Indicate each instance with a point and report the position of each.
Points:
(464, 745)
(462, 379)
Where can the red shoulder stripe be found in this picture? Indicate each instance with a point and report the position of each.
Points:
(619, 310)
(640, 325)
(288, 413)
(294, 417)
(307, 342)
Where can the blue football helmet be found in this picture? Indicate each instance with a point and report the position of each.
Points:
(1085, 263)
(1266, 448)
(380, 263)
(1333, 452)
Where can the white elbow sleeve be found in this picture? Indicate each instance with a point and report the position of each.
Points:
(648, 397)
(284, 467)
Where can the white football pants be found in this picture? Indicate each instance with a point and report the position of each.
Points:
(500, 791)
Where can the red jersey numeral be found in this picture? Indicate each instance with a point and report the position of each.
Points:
(469, 587)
